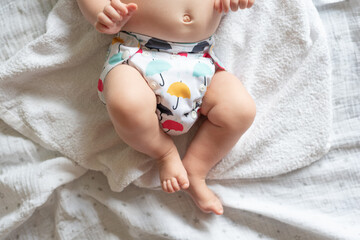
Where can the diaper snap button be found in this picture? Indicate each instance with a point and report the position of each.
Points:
(194, 114)
(126, 54)
(202, 88)
(153, 85)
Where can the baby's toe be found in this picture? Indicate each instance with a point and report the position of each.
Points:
(175, 184)
(169, 186)
(164, 186)
(183, 182)
(218, 209)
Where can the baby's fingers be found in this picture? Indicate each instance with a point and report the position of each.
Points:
(131, 7)
(218, 6)
(123, 8)
(101, 28)
(104, 20)
(226, 5)
(111, 13)
(245, 3)
(250, 3)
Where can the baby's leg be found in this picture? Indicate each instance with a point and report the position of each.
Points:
(230, 111)
(132, 108)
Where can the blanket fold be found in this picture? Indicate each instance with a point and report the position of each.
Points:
(277, 49)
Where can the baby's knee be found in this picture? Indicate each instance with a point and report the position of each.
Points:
(246, 113)
(237, 116)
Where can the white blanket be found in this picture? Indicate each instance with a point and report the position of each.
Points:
(46, 196)
(277, 49)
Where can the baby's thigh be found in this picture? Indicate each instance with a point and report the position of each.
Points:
(227, 100)
(226, 89)
(126, 90)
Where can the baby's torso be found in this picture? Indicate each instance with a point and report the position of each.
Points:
(174, 20)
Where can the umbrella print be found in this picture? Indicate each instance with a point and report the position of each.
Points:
(202, 70)
(172, 125)
(116, 57)
(100, 85)
(157, 67)
(179, 89)
(158, 44)
(200, 47)
(117, 40)
(163, 110)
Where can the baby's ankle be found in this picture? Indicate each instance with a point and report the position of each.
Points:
(169, 153)
(194, 172)
(165, 152)
(194, 176)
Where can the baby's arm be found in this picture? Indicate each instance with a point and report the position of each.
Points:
(234, 5)
(107, 16)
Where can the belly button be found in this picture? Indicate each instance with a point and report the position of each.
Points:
(187, 18)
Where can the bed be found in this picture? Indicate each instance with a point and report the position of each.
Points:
(53, 187)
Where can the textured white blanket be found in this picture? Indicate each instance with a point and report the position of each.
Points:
(277, 48)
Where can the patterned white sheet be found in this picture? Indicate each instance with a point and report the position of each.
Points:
(317, 202)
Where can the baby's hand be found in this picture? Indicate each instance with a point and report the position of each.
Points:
(234, 5)
(114, 16)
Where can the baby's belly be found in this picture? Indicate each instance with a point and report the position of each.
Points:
(174, 20)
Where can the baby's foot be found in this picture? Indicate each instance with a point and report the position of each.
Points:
(173, 175)
(204, 198)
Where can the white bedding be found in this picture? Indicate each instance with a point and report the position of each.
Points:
(65, 201)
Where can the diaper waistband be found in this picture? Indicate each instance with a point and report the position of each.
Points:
(162, 45)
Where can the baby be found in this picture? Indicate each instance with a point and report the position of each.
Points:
(160, 75)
